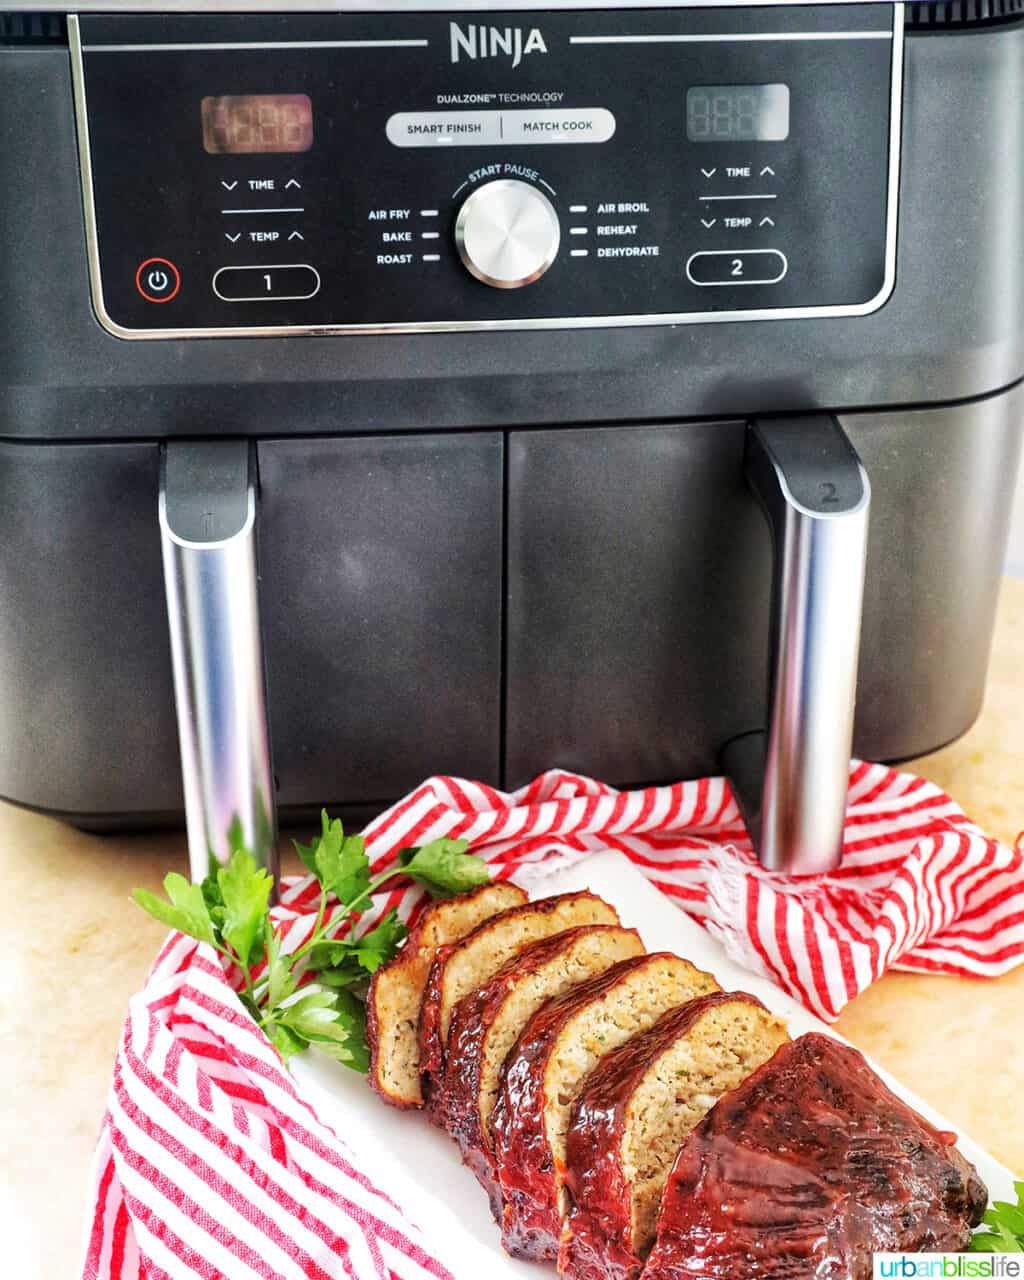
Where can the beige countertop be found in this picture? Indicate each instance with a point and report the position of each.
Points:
(73, 948)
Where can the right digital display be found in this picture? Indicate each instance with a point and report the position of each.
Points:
(737, 113)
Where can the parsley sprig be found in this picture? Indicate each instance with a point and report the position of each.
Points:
(1003, 1226)
(309, 995)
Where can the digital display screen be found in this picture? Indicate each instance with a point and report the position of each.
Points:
(737, 113)
(258, 123)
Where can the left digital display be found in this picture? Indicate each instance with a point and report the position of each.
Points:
(259, 123)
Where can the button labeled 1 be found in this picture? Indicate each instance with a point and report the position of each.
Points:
(736, 266)
(289, 283)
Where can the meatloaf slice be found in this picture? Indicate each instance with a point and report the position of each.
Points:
(806, 1169)
(557, 1049)
(393, 1004)
(486, 1023)
(636, 1107)
(468, 964)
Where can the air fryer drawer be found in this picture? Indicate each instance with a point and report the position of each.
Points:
(380, 565)
(87, 723)
(639, 572)
(380, 562)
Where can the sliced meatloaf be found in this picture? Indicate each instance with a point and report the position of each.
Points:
(805, 1169)
(486, 1023)
(636, 1107)
(468, 964)
(557, 1049)
(393, 1004)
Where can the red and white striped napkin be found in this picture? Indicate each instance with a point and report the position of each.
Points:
(209, 1163)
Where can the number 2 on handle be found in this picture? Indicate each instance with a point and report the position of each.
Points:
(737, 267)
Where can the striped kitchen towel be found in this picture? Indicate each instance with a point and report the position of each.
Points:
(209, 1162)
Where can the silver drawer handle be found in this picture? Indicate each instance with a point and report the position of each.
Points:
(208, 537)
(791, 780)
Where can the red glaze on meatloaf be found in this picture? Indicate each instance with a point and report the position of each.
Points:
(486, 1024)
(396, 991)
(477, 957)
(558, 1047)
(638, 1105)
(805, 1170)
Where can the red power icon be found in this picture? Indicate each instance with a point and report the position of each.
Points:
(158, 280)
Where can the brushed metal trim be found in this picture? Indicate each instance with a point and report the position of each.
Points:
(490, 326)
(257, 44)
(747, 37)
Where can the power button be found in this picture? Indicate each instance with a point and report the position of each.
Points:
(158, 280)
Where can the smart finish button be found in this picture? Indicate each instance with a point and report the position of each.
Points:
(158, 280)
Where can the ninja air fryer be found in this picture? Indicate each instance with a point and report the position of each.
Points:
(388, 391)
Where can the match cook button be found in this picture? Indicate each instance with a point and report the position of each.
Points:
(587, 124)
(290, 282)
(158, 280)
(736, 266)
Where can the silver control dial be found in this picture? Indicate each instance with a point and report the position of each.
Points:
(507, 233)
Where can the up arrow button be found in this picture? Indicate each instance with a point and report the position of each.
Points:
(767, 170)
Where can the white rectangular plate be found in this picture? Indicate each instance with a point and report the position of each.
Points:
(419, 1166)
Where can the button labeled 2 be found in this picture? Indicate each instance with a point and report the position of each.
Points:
(288, 283)
(736, 266)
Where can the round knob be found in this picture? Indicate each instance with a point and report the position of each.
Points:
(507, 234)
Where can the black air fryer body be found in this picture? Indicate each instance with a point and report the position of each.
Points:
(500, 529)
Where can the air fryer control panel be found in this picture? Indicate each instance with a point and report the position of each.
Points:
(344, 173)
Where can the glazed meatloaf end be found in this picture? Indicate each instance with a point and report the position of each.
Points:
(486, 1023)
(468, 964)
(806, 1169)
(635, 1109)
(396, 992)
(557, 1049)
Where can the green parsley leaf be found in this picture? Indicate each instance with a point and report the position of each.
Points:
(342, 865)
(344, 961)
(236, 837)
(334, 1021)
(214, 902)
(444, 868)
(352, 1048)
(281, 981)
(1009, 1216)
(353, 1052)
(246, 894)
(347, 973)
(307, 852)
(284, 1040)
(186, 911)
(338, 861)
(307, 1014)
